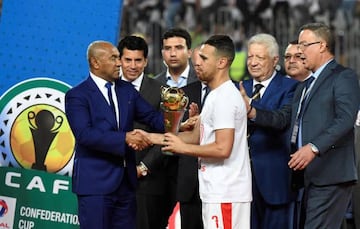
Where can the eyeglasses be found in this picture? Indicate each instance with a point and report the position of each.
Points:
(296, 57)
(302, 46)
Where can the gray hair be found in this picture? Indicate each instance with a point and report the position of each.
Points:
(268, 41)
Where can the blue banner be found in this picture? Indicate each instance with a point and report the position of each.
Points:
(43, 47)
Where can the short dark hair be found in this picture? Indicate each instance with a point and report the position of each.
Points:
(224, 45)
(294, 42)
(322, 31)
(177, 32)
(133, 43)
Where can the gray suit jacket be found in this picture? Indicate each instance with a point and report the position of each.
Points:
(191, 77)
(328, 123)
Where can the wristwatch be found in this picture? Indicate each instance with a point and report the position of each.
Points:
(143, 169)
(314, 149)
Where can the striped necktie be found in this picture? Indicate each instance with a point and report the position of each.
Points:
(256, 94)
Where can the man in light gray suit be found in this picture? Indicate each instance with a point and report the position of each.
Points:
(323, 116)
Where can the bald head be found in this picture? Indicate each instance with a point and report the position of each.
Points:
(97, 49)
(104, 60)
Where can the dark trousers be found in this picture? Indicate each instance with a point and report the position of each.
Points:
(190, 212)
(115, 210)
(151, 212)
(155, 208)
(269, 216)
(325, 206)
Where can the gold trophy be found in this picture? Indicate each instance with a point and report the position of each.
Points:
(173, 103)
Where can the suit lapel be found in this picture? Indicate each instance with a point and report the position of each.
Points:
(122, 94)
(100, 101)
(248, 86)
(323, 75)
(271, 89)
(145, 90)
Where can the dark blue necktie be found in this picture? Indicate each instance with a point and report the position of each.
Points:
(108, 85)
(256, 94)
(301, 108)
(308, 81)
(207, 90)
(306, 94)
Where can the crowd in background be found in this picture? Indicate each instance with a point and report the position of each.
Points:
(241, 19)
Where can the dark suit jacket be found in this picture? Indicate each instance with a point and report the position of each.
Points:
(152, 157)
(269, 148)
(100, 145)
(356, 193)
(191, 77)
(188, 184)
(186, 173)
(328, 123)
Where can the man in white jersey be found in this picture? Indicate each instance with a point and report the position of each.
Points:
(219, 140)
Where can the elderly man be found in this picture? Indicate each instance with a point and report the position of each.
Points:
(269, 149)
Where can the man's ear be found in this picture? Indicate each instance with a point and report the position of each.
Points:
(94, 62)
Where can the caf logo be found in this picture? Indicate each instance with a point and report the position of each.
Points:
(34, 131)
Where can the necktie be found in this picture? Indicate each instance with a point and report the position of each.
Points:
(308, 82)
(108, 85)
(301, 108)
(305, 95)
(206, 90)
(256, 94)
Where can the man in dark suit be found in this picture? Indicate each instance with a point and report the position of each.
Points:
(176, 53)
(323, 116)
(102, 119)
(152, 183)
(356, 194)
(273, 199)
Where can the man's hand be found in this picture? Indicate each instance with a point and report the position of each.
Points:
(172, 143)
(189, 123)
(138, 139)
(251, 112)
(193, 117)
(301, 158)
(193, 110)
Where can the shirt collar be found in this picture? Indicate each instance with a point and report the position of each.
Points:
(182, 81)
(136, 82)
(100, 82)
(318, 72)
(265, 82)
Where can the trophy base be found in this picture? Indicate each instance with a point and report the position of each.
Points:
(168, 153)
(38, 167)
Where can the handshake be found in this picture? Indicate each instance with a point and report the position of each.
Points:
(138, 139)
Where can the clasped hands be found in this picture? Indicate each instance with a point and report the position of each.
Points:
(139, 139)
